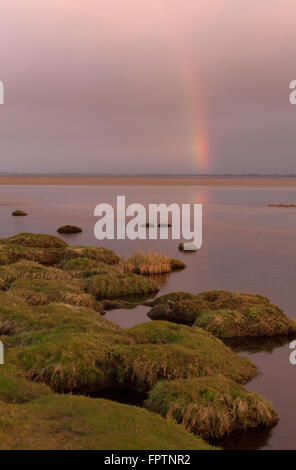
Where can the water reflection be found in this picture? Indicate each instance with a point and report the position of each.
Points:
(255, 345)
(253, 439)
(126, 318)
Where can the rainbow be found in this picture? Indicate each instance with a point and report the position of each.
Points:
(200, 141)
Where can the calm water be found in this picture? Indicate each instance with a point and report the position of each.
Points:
(247, 247)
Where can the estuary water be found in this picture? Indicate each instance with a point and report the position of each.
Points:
(247, 247)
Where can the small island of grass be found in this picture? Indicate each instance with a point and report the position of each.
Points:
(19, 213)
(224, 314)
(211, 407)
(68, 229)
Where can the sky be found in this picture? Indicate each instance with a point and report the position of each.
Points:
(147, 86)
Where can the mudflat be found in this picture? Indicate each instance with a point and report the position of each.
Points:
(149, 180)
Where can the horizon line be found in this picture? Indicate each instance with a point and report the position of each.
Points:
(146, 175)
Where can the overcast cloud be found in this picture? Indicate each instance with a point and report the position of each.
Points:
(99, 86)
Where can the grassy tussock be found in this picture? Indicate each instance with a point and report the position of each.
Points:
(151, 263)
(234, 315)
(96, 253)
(70, 422)
(224, 314)
(76, 349)
(81, 268)
(42, 291)
(19, 213)
(25, 320)
(211, 407)
(34, 240)
(183, 312)
(181, 352)
(118, 285)
(69, 229)
(45, 256)
(30, 270)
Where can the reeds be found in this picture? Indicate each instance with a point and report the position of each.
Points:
(151, 263)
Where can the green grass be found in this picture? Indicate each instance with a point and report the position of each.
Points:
(183, 312)
(211, 407)
(45, 256)
(71, 422)
(44, 291)
(84, 267)
(57, 341)
(96, 253)
(169, 351)
(118, 285)
(76, 349)
(15, 389)
(30, 270)
(35, 240)
(224, 314)
(237, 315)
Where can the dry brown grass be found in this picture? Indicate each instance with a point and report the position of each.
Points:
(150, 263)
(211, 407)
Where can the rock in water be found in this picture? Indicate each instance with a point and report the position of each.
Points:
(19, 213)
(187, 247)
(69, 229)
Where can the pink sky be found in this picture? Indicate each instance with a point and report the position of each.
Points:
(147, 86)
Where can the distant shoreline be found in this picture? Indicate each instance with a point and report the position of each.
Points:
(149, 180)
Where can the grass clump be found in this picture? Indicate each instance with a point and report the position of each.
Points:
(169, 351)
(20, 322)
(66, 422)
(183, 312)
(83, 268)
(74, 349)
(232, 314)
(151, 263)
(30, 270)
(80, 264)
(211, 407)
(4, 258)
(43, 291)
(46, 256)
(68, 348)
(224, 314)
(69, 229)
(19, 213)
(35, 240)
(117, 285)
(95, 253)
